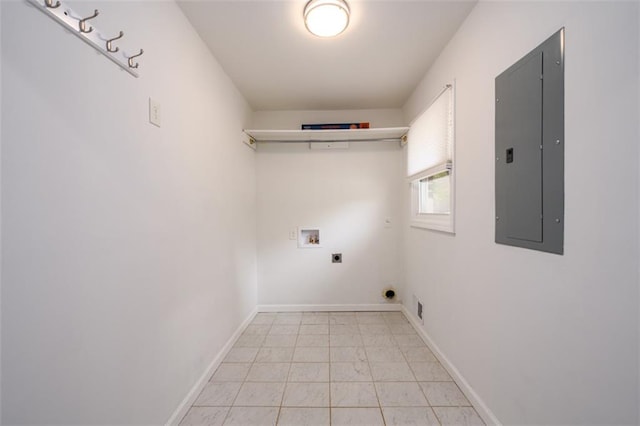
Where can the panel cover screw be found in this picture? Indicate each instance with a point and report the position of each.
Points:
(557, 220)
(557, 141)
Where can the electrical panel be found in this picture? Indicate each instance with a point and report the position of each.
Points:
(529, 150)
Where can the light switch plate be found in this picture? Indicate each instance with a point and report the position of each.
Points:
(154, 112)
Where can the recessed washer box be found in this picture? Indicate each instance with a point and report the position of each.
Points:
(309, 237)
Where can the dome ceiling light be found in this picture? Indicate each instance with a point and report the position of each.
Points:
(326, 18)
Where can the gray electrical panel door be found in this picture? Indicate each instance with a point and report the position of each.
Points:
(519, 109)
(529, 150)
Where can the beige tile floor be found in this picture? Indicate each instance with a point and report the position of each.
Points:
(331, 368)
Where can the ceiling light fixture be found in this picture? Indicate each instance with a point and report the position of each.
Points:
(326, 18)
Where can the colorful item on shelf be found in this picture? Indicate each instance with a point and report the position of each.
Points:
(335, 126)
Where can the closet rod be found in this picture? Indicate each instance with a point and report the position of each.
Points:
(331, 140)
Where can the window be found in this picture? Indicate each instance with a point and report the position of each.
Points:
(430, 171)
(433, 197)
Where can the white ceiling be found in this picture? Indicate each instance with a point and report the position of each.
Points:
(277, 65)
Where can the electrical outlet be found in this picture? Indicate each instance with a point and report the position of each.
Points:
(154, 112)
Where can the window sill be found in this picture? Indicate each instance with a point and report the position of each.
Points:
(432, 225)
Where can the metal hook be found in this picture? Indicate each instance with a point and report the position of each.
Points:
(49, 4)
(82, 24)
(110, 47)
(131, 65)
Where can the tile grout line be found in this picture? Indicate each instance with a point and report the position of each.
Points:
(244, 380)
(375, 388)
(329, 346)
(414, 374)
(286, 384)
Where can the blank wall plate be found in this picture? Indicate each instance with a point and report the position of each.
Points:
(154, 112)
(328, 145)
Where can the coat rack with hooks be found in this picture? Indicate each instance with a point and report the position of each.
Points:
(81, 27)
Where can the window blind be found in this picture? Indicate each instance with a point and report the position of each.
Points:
(430, 139)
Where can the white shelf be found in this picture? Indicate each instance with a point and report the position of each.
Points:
(350, 135)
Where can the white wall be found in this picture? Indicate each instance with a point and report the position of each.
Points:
(0, 223)
(348, 194)
(543, 339)
(128, 250)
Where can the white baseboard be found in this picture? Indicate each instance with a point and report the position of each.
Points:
(482, 408)
(186, 403)
(329, 308)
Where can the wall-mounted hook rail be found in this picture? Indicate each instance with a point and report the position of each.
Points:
(130, 61)
(109, 46)
(82, 24)
(49, 4)
(77, 25)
